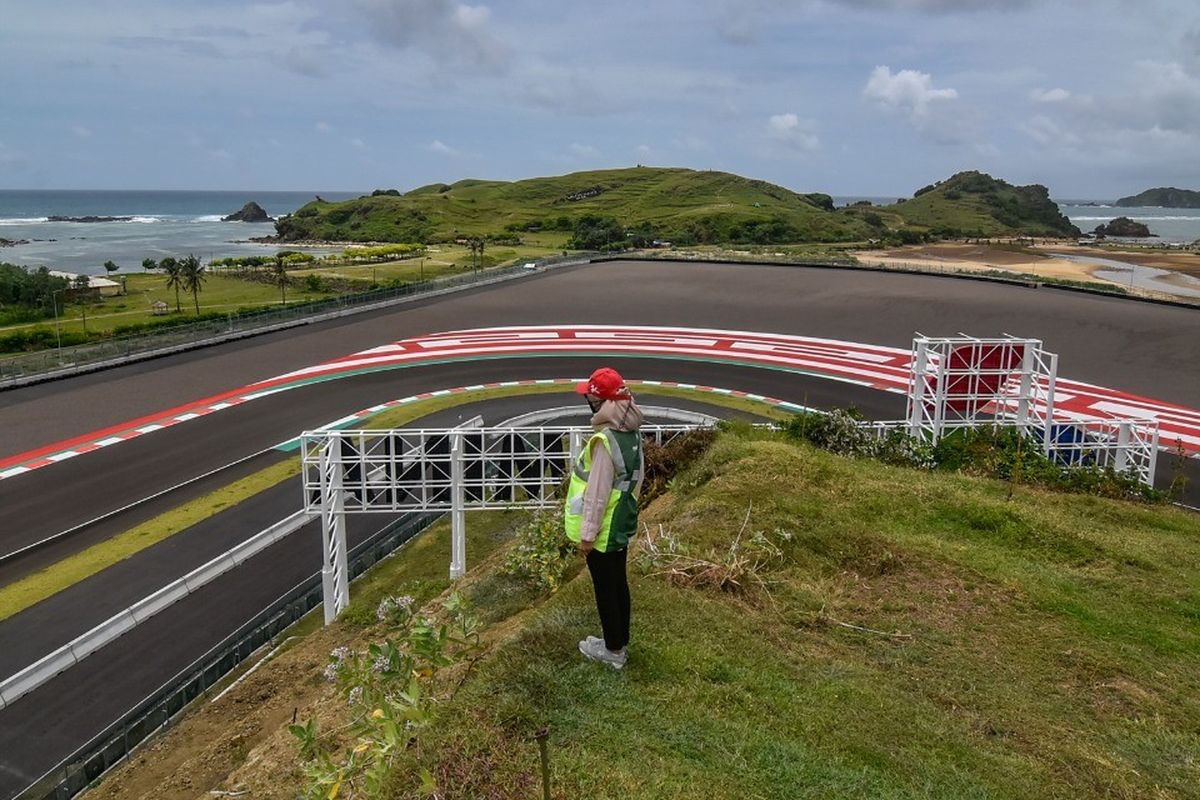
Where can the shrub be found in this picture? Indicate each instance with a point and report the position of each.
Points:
(542, 553)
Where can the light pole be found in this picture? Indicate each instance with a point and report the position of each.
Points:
(57, 333)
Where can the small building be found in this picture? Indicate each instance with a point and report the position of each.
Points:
(158, 308)
(101, 287)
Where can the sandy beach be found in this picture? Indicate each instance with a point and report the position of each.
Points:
(1050, 261)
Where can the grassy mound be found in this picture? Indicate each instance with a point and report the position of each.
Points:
(976, 204)
(916, 635)
(676, 203)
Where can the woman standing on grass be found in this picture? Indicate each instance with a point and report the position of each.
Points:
(602, 512)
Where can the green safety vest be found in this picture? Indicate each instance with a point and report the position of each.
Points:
(620, 516)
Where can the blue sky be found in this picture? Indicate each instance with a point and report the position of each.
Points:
(1094, 98)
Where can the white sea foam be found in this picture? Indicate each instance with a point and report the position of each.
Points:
(1139, 219)
(145, 220)
(23, 220)
(208, 218)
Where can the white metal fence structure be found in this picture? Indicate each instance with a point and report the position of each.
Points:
(434, 470)
(968, 382)
(965, 382)
(1128, 446)
(954, 383)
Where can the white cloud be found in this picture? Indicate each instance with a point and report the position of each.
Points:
(443, 149)
(1046, 131)
(81, 131)
(642, 150)
(304, 61)
(792, 132)
(322, 127)
(354, 141)
(1049, 95)
(448, 32)
(907, 92)
(692, 143)
(937, 6)
(582, 150)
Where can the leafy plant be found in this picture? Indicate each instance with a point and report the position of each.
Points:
(541, 553)
(390, 690)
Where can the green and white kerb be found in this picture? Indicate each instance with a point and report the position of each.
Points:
(621, 514)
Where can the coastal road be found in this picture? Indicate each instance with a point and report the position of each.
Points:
(1145, 349)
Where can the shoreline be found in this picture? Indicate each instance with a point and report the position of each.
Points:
(1052, 261)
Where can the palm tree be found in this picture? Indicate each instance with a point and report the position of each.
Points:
(83, 295)
(279, 273)
(476, 245)
(192, 277)
(174, 272)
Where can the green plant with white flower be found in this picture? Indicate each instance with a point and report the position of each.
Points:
(392, 691)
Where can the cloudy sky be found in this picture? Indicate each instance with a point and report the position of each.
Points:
(1095, 98)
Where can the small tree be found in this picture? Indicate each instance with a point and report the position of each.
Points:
(279, 273)
(149, 264)
(192, 276)
(174, 278)
(110, 267)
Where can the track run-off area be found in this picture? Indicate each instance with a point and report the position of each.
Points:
(881, 368)
(75, 449)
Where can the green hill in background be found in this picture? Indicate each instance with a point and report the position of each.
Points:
(683, 206)
(976, 204)
(1168, 197)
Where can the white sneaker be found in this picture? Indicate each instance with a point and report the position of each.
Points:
(594, 648)
(597, 640)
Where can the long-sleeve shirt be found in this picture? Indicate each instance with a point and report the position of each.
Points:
(621, 415)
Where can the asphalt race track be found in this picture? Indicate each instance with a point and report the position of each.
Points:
(1142, 348)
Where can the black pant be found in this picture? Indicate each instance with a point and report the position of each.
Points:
(612, 595)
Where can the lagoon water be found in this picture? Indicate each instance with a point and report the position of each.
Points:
(162, 224)
(176, 223)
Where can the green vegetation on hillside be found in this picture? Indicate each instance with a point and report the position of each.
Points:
(976, 204)
(681, 205)
(608, 209)
(1167, 197)
(810, 626)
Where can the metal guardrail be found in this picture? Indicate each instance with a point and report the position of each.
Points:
(54, 363)
(112, 745)
(87, 643)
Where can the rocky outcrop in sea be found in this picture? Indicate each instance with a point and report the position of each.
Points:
(251, 212)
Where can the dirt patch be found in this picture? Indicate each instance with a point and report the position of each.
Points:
(951, 257)
(1187, 262)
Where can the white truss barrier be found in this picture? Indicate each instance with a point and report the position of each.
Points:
(965, 382)
(1128, 446)
(434, 469)
(969, 382)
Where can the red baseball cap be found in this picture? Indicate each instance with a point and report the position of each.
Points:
(606, 383)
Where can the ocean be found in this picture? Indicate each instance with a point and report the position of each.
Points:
(163, 223)
(177, 223)
(1169, 225)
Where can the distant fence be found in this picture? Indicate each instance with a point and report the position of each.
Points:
(44, 364)
(112, 745)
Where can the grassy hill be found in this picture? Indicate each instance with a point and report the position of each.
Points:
(976, 204)
(1164, 197)
(896, 634)
(679, 204)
